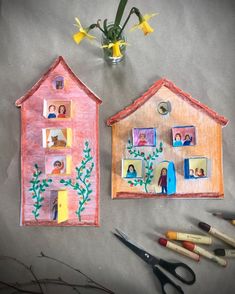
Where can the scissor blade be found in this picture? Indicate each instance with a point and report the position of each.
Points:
(148, 258)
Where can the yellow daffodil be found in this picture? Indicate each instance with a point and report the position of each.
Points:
(116, 47)
(83, 33)
(144, 25)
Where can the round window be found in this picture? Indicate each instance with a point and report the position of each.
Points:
(164, 107)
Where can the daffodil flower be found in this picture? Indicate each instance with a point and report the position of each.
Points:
(116, 47)
(143, 24)
(83, 33)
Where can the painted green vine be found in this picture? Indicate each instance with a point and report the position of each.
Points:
(82, 184)
(148, 164)
(37, 188)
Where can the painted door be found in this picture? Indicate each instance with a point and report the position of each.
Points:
(171, 179)
(62, 206)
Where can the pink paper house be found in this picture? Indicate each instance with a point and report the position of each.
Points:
(59, 151)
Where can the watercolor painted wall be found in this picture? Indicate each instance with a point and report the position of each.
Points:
(208, 132)
(81, 122)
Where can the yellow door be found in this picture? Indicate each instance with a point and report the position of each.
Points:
(62, 206)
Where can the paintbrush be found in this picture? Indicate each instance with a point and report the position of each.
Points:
(226, 215)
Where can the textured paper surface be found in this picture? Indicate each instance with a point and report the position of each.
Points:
(193, 45)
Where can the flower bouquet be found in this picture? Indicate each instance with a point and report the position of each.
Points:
(113, 39)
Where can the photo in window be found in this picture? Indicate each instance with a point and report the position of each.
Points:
(58, 165)
(57, 138)
(54, 109)
(183, 136)
(196, 168)
(132, 168)
(144, 137)
(58, 83)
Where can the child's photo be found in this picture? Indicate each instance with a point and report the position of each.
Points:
(183, 136)
(196, 168)
(56, 138)
(132, 168)
(144, 137)
(54, 205)
(57, 165)
(51, 111)
(57, 109)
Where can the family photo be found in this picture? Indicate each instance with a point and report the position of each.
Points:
(196, 168)
(183, 136)
(57, 109)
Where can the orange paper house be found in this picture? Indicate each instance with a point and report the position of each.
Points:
(167, 144)
(59, 151)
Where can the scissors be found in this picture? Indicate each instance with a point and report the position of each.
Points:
(154, 262)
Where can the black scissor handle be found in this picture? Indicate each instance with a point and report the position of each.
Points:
(164, 280)
(172, 267)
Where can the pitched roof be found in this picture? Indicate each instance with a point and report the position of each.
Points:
(152, 90)
(58, 60)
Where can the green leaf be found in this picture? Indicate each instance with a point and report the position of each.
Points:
(61, 181)
(36, 166)
(83, 208)
(120, 12)
(41, 199)
(105, 25)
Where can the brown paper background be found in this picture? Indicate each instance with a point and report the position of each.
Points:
(193, 45)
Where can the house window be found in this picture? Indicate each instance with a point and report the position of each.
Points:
(57, 138)
(144, 137)
(54, 109)
(58, 83)
(164, 107)
(183, 136)
(58, 165)
(196, 168)
(132, 168)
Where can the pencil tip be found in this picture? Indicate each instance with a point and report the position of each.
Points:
(216, 214)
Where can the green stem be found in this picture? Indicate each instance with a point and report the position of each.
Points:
(125, 23)
(120, 11)
(36, 192)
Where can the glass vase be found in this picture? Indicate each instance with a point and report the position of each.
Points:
(108, 52)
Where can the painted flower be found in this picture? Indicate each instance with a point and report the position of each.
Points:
(83, 33)
(116, 47)
(144, 25)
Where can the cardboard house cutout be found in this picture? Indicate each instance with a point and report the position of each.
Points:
(59, 151)
(167, 144)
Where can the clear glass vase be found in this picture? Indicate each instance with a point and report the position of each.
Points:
(108, 52)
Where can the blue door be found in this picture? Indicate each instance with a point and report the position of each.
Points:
(171, 179)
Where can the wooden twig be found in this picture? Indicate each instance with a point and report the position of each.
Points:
(59, 282)
(78, 271)
(8, 285)
(28, 268)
